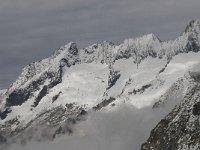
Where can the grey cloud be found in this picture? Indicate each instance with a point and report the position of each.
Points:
(32, 29)
(126, 128)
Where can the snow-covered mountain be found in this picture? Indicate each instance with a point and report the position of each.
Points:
(53, 94)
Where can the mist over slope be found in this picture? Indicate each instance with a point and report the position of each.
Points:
(125, 128)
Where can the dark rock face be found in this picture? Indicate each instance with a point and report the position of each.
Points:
(113, 77)
(69, 106)
(141, 90)
(18, 97)
(104, 103)
(163, 69)
(179, 129)
(195, 76)
(73, 49)
(64, 62)
(193, 44)
(90, 52)
(42, 93)
(61, 131)
(4, 114)
(196, 109)
(190, 26)
(56, 97)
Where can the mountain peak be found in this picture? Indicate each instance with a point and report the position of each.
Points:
(193, 26)
(145, 39)
(70, 48)
(152, 36)
(70, 44)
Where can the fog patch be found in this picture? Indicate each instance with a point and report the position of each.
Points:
(125, 128)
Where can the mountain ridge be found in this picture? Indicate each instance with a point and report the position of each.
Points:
(63, 89)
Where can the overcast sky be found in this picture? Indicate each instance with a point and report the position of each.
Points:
(33, 29)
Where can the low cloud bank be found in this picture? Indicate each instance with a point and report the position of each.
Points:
(125, 128)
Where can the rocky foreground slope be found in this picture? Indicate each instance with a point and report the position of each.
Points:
(53, 94)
